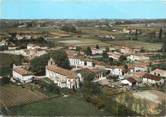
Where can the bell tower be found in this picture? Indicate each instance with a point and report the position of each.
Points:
(51, 62)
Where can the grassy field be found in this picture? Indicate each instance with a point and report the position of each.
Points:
(137, 44)
(92, 42)
(61, 106)
(12, 95)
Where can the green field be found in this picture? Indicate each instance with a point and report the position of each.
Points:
(66, 106)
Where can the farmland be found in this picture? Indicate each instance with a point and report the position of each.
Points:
(12, 95)
(66, 106)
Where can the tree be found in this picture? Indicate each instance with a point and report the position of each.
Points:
(136, 34)
(78, 48)
(69, 28)
(4, 80)
(105, 55)
(162, 107)
(88, 51)
(164, 46)
(142, 50)
(97, 46)
(107, 49)
(125, 68)
(61, 59)
(160, 34)
(37, 65)
(89, 88)
(122, 58)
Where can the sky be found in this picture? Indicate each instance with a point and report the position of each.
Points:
(82, 9)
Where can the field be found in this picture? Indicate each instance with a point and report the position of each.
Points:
(151, 95)
(66, 106)
(12, 95)
(85, 41)
(137, 44)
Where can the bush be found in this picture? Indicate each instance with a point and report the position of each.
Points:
(4, 80)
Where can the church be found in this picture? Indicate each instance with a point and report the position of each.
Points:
(62, 77)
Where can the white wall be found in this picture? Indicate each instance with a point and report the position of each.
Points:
(23, 79)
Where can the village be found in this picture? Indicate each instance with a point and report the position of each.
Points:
(114, 69)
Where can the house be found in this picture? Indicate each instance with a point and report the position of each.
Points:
(114, 55)
(97, 51)
(140, 67)
(159, 72)
(21, 74)
(129, 81)
(126, 50)
(116, 71)
(137, 58)
(3, 43)
(62, 77)
(138, 76)
(152, 79)
(77, 61)
(100, 74)
(72, 47)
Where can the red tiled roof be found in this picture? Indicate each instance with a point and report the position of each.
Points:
(21, 71)
(132, 80)
(152, 77)
(62, 71)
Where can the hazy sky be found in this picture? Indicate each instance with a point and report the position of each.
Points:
(82, 9)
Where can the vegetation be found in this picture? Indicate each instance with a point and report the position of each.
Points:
(69, 28)
(164, 46)
(7, 61)
(88, 51)
(12, 95)
(4, 80)
(116, 109)
(48, 87)
(160, 66)
(60, 57)
(61, 106)
(122, 59)
(38, 64)
(10, 59)
(88, 87)
(158, 56)
(162, 108)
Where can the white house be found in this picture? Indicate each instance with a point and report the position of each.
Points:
(21, 74)
(114, 55)
(129, 81)
(77, 62)
(152, 79)
(116, 71)
(62, 77)
(143, 67)
(159, 72)
(97, 51)
(137, 58)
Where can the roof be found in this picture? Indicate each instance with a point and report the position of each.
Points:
(95, 70)
(137, 75)
(159, 71)
(62, 71)
(152, 77)
(132, 80)
(142, 65)
(21, 71)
